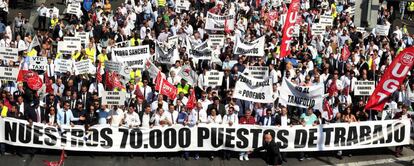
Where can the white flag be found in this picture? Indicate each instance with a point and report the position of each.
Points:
(34, 43)
(188, 74)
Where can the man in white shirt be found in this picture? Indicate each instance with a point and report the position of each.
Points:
(146, 91)
(202, 113)
(204, 100)
(146, 117)
(230, 118)
(159, 103)
(117, 114)
(131, 118)
(171, 115)
(160, 118)
(42, 11)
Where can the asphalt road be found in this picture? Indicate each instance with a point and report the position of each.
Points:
(379, 156)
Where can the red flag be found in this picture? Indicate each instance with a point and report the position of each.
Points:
(56, 163)
(49, 88)
(108, 82)
(138, 92)
(289, 27)
(226, 27)
(116, 82)
(345, 53)
(192, 101)
(158, 81)
(328, 109)
(309, 32)
(21, 75)
(393, 77)
(33, 80)
(332, 89)
(168, 89)
(98, 73)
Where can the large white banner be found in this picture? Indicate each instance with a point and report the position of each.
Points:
(216, 22)
(301, 96)
(9, 73)
(206, 137)
(132, 56)
(252, 89)
(202, 51)
(9, 54)
(254, 48)
(166, 55)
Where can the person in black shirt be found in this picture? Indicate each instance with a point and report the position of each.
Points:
(272, 151)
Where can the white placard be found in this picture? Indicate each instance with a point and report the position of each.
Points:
(74, 8)
(132, 56)
(382, 30)
(259, 72)
(364, 88)
(83, 67)
(38, 63)
(69, 46)
(84, 37)
(63, 65)
(326, 20)
(254, 48)
(252, 89)
(181, 5)
(301, 96)
(213, 78)
(317, 29)
(9, 54)
(9, 73)
(113, 98)
(216, 40)
(217, 22)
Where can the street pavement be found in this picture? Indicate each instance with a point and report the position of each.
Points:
(362, 157)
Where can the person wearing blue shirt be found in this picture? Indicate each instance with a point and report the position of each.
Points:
(307, 119)
(65, 116)
(103, 115)
(182, 117)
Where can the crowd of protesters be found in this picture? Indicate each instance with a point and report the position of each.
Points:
(313, 59)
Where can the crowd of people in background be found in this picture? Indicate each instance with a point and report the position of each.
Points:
(313, 59)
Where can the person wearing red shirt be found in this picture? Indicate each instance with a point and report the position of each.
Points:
(247, 119)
